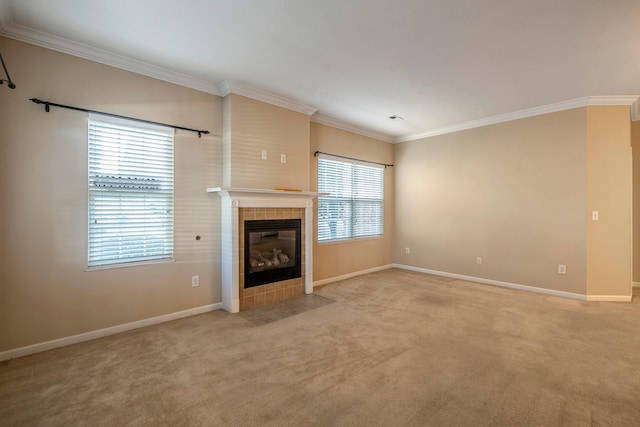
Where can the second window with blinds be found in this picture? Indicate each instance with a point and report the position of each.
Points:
(354, 207)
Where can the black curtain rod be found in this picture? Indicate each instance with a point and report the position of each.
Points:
(48, 104)
(386, 165)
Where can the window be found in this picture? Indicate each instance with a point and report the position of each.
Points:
(130, 192)
(355, 206)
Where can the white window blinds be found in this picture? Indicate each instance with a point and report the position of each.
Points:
(355, 205)
(130, 191)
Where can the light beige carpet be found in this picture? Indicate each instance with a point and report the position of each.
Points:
(395, 348)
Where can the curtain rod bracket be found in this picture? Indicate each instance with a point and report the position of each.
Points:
(47, 107)
(10, 84)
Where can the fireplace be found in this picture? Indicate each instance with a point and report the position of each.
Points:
(272, 251)
(240, 205)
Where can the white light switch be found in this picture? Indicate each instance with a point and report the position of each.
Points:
(264, 154)
(283, 158)
(594, 215)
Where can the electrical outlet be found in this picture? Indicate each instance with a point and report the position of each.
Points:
(594, 215)
(407, 250)
(562, 269)
(264, 154)
(478, 260)
(195, 281)
(283, 158)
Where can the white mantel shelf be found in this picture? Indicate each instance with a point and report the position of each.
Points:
(259, 192)
(235, 198)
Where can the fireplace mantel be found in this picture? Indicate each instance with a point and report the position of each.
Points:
(257, 195)
(235, 198)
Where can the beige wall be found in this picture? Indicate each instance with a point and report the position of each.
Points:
(635, 142)
(337, 259)
(45, 290)
(254, 126)
(512, 193)
(609, 182)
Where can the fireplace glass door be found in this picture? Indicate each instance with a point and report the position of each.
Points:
(271, 251)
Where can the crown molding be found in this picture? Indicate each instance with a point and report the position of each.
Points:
(635, 110)
(612, 100)
(84, 51)
(330, 121)
(229, 86)
(529, 112)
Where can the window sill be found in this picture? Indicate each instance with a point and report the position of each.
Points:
(128, 264)
(349, 240)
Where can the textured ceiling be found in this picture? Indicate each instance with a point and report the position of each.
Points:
(437, 63)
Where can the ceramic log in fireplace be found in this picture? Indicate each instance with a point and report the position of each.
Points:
(271, 251)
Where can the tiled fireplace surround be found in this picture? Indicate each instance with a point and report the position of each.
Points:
(240, 204)
(277, 291)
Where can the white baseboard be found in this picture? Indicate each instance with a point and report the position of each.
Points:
(350, 275)
(87, 336)
(496, 283)
(609, 298)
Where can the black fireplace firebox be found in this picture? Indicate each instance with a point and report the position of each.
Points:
(271, 251)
